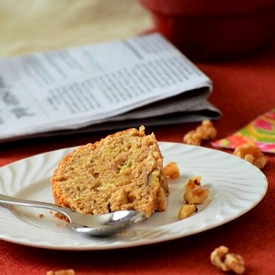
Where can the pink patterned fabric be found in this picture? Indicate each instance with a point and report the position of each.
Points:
(260, 131)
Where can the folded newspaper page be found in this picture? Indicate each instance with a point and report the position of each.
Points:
(140, 80)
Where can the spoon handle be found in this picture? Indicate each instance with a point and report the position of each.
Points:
(8, 200)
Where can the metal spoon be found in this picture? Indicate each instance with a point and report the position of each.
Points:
(94, 225)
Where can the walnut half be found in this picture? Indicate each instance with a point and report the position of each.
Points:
(194, 193)
(225, 261)
(251, 153)
(205, 131)
(61, 272)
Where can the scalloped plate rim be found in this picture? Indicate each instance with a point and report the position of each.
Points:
(140, 234)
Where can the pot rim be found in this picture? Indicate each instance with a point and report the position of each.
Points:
(206, 7)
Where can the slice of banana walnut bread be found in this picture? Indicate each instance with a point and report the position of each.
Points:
(121, 171)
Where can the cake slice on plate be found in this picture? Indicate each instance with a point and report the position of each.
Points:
(120, 172)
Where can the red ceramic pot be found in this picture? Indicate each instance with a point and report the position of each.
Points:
(215, 30)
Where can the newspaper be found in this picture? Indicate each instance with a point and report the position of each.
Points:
(125, 83)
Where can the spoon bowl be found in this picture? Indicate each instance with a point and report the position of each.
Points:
(93, 225)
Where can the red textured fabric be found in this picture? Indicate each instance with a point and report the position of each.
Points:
(242, 90)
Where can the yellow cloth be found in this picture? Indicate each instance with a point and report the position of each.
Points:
(40, 25)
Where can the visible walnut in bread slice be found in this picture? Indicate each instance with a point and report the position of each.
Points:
(121, 171)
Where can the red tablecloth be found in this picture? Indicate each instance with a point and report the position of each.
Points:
(243, 90)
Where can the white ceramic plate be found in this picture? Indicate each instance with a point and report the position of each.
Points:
(235, 188)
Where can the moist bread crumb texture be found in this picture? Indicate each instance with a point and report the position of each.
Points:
(121, 171)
